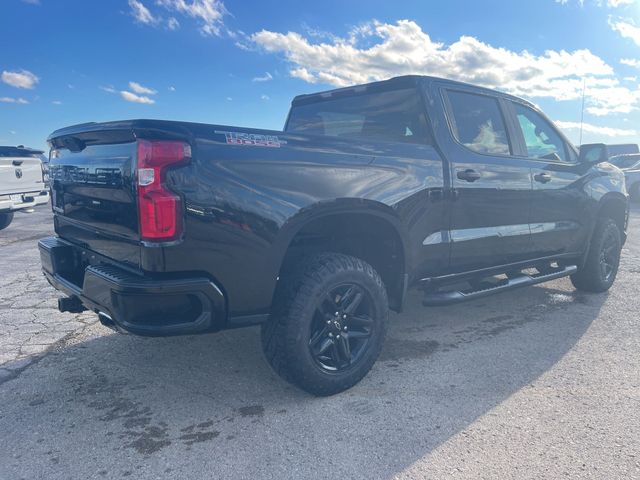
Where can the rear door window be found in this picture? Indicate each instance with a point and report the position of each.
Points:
(478, 123)
(395, 115)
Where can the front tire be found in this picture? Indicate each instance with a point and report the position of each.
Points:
(601, 266)
(328, 324)
(634, 192)
(5, 220)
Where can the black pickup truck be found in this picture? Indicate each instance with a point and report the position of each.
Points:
(314, 232)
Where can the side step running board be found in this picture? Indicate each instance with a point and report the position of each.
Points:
(521, 280)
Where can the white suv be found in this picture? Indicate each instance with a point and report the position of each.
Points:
(23, 181)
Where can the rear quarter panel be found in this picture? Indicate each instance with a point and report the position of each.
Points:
(244, 203)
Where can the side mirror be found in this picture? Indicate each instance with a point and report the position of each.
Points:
(594, 153)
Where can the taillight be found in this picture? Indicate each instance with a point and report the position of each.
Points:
(159, 208)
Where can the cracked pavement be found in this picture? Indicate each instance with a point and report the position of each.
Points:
(29, 317)
(542, 382)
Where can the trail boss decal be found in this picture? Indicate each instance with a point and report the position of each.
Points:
(254, 139)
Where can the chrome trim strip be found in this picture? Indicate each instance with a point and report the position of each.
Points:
(500, 231)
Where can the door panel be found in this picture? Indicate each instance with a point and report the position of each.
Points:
(489, 217)
(559, 207)
(559, 211)
(489, 212)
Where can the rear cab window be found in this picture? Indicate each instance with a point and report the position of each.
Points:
(478, 123)
(19, 152)
(393, 115)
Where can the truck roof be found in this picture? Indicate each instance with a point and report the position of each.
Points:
(403, 81)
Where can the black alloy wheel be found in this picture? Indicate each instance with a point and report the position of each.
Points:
(609, 255)
(328, 323)
(600, 266)
(341, 328)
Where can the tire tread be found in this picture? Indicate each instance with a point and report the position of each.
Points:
(293, 296)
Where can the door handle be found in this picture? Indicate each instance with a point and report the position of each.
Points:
(469, 175)
(17, 163)
(542, 177)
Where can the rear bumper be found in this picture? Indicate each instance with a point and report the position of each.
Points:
(11, 203)
(134, 303)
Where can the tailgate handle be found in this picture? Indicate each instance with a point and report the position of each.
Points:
(17, 163)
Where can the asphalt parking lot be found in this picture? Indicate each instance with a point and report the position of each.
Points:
(542, 382)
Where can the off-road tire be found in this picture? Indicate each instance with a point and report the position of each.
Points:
(286, 337)
(607, 241)
(5, 220)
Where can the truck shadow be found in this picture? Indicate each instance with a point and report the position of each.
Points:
(212, 401)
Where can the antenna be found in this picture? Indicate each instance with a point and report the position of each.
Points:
(584, 87)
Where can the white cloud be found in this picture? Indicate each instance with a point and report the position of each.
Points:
(605, 131)
(141, 13)
(619, 3)
(108, 89)
(137, 88)
(19, 101)
(376, 51)
(20, 79)
(209, 13)
(626, 28)
(229, 99)
(132, 97)
(606, 99)
(32, 2)
(631, 62)
(173, 23)
(265, 97)
(244, 46)
(600, 3)
(264, 78)
(56, 102)
(172, 88)
(303, 74)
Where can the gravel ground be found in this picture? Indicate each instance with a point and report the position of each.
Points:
(537, 383)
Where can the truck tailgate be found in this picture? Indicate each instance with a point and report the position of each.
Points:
(94, 198)
(20, 175)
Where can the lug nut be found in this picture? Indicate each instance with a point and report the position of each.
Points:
(338, 336)
(337, 314)
(345, 328)
(344, 316)
(330, 335)
(328, 322)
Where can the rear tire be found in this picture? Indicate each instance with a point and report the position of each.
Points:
(601, 266)
(328, 324)
(5, 220)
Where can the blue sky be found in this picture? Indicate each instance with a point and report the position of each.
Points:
(240, 62)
